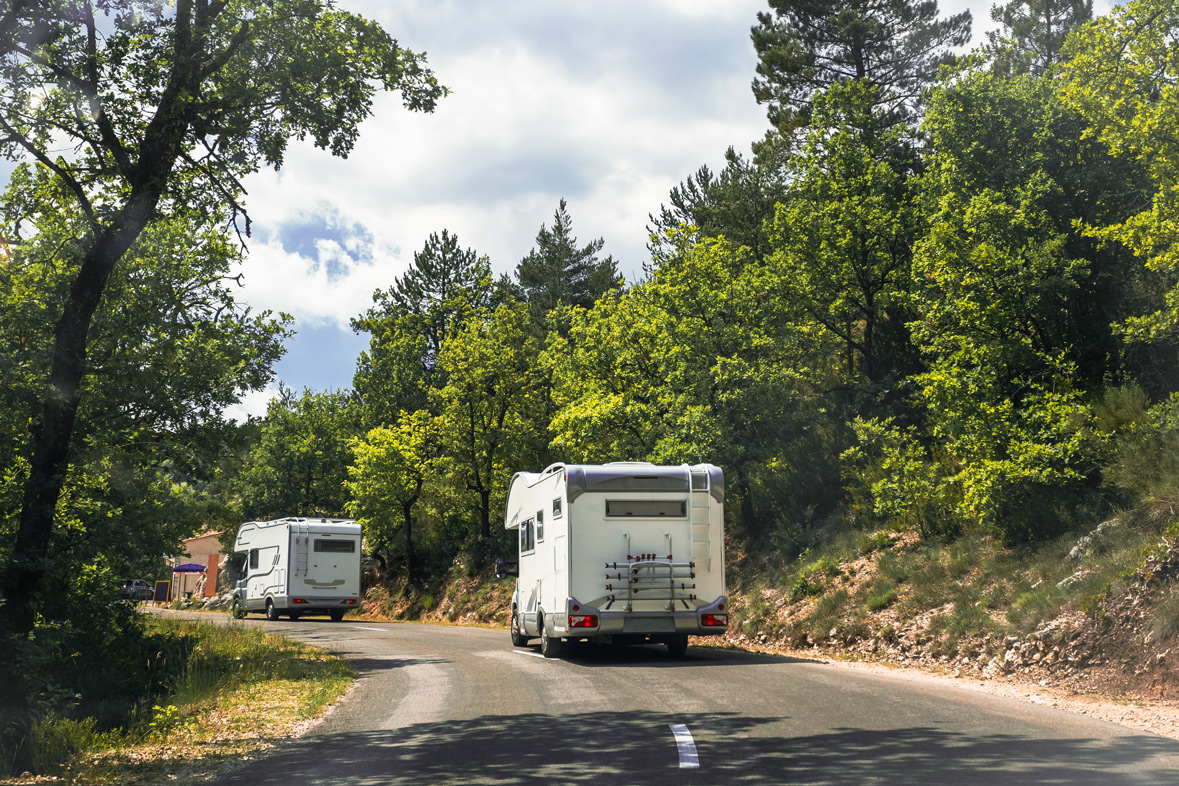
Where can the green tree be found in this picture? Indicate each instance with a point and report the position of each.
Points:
(701, 363)
(557, 272)
(843, 236)
(165, 109)
(409, 323)
(300, 465)
(169, 348)
(390, 469)
(736, 203)
(1004, 299)
(1118, 76)
(491, 410)
(805, 46)
(1034, 32)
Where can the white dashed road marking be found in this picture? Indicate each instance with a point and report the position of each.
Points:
(532, 654)
(686, 745)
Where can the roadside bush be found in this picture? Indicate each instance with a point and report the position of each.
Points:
(882, 595)
(1165, 621)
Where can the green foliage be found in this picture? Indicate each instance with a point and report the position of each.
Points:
(299, 465)
(1034, 32)
(390, 468)
(164, 113)
(843, 236)
(556, 272)
(883, 594)
(491, 408)
(737, 204)
(700, 363)
(812, 578)
(1116, 77)
(439, 295)
(891, 470)
(806, 46)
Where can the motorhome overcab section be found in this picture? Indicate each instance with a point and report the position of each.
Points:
(298, 566)
(619, 553)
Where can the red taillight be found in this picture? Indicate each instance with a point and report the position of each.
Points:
(349, 602)
(715, 620)
(583, 620)
(298, 600)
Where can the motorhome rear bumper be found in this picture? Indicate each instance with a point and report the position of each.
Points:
(702, 621)
(320, 605)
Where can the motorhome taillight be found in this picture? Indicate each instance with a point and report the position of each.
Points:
(349, 602)
(715, 620)
(298, 600)
(583, 620)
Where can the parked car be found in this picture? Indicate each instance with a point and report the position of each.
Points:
(137, 589)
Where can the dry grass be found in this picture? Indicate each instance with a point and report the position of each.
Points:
(240, 691)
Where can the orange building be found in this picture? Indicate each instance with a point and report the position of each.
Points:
(204, 550)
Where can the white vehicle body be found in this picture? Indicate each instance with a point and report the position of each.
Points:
(299, 566)
(619, 553)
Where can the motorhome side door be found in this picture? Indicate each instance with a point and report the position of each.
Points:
(249, 570)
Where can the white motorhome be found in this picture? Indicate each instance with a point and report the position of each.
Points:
(618, 553)
(298, 566)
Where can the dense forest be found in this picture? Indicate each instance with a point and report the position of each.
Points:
(942, 293)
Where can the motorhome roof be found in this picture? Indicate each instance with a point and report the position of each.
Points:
(627, 476)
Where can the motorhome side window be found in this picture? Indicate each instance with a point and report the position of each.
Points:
(645, 508)
(539, 526)
(336, 546)
(253, 559)
(527, 537)
(557, 508)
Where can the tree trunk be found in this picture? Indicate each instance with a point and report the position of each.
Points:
(407, 513)
(52, 437)
(53, 431)
(485, 514)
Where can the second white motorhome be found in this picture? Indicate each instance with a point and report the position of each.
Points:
(621, 553)
(297, 567)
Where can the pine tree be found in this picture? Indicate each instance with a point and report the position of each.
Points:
(805, 46)
(1034, 32)
(557, 272)
(444, 283)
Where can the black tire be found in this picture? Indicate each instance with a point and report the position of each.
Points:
(550, 646)
(677, 647)
(271, 612)
(518, 637)
(237, 610)
(294, 615)
(336, 615)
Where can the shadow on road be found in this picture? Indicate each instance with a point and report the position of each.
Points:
(656, 656)
(637, 747)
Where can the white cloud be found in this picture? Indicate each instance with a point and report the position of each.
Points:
(609, 105)
(329, 288)
(253, 403)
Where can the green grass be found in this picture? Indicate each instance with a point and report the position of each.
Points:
(225, 683)
(980, 587)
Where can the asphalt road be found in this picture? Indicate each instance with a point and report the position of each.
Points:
(449, 705)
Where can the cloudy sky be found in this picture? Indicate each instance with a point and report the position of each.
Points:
(606, 104)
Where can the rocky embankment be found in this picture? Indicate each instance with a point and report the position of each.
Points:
(1111, 661)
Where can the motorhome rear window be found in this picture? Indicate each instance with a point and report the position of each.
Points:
(645, 508)
(336, 546)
